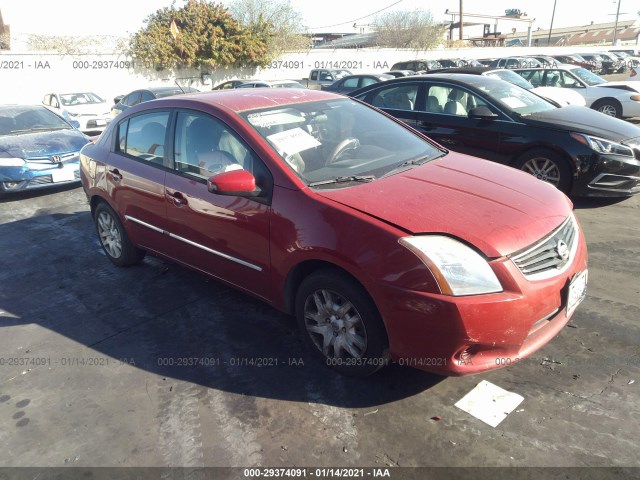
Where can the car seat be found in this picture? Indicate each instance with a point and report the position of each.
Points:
(455, 106)
(203, 136)
(433, 105)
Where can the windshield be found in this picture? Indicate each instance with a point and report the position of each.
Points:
(334, 139)
(588, 77)
(87, 98)
(18, 120)
(511, 77)
(516, 99)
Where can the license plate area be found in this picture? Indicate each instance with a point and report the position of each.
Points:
(62, 175)
(577, 291)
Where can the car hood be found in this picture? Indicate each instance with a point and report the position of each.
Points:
(631, 85)
(563, 96)
(584, 120)
(496, 208)
(40, 144)
(88, 109)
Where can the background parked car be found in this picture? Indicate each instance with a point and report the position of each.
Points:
(228, 84)
(384, 245)
(271, 84)
(146, 94)
(38, 148)
(560, 96)
(421, 65)
(87, 108)
(617, 99)
(594, 66)
(515, 62)
(496, 120)
(400, 73)
(353, 82)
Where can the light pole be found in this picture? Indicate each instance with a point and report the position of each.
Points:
(551, 27)
(615, 29)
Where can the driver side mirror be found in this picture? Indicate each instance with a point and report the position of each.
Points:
(482, 111)
(235, 182)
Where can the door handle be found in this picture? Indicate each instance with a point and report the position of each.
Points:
(115, 174)
(177, 198)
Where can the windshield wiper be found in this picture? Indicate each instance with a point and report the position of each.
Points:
(37, 129)
(350, 178)
(411, 163)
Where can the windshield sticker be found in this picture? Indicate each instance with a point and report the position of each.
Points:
(293, 141)
(513, 102)
(264, 120)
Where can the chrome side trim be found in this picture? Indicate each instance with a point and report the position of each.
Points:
(194, 244)
(145, 224)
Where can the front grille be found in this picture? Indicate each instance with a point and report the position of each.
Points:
(41, 180)
(551, 254)
(48, 160)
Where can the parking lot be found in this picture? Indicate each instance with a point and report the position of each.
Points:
(157, 365)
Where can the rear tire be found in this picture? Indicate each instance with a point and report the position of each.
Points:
(341, 324)
(547, 166)
(114, 239)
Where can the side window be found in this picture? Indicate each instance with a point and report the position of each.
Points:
(204, 146)
(143, 136)
(367, 81)
(567, 80)
(131, 99)
(145, 97)
(535, 77)
(314, 75)
(452, 100)
(401, 97)
(350, 83)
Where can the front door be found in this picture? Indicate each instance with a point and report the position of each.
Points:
(224, 236)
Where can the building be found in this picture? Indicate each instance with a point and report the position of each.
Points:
(626, 33)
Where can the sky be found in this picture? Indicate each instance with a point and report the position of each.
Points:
(122, 17)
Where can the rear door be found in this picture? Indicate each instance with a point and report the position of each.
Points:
(135, 177)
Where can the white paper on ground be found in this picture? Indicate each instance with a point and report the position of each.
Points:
(489, 403)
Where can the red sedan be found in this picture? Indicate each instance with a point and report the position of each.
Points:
(383, 244)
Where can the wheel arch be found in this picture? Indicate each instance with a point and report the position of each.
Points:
(566, 157)
(305, 268)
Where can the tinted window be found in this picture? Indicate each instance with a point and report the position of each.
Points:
(350, 83)
(143, 136)
(452, 100)
(368, 81)
(146, 96)
(131, 99)
(398, 97)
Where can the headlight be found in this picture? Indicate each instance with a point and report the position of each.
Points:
(601, 145)
(458, 269)
(11, 162)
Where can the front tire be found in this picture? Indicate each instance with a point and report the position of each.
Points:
(114, 239)
(340, 323)
(608, 107)
(547, 166)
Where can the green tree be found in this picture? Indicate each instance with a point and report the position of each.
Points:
(276, 20)
(205, 34)
(407, 29)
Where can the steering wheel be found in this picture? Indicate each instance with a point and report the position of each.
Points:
(344, 146)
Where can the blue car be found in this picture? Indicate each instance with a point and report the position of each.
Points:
(38, 149)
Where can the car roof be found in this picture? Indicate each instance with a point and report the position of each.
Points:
(467, 70)
(462, 79)
(239, 100)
